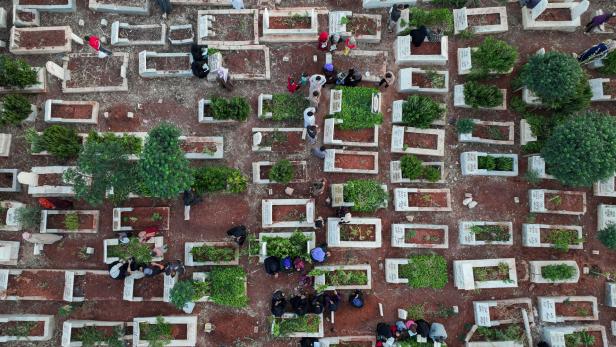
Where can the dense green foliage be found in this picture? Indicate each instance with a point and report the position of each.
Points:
(158, 334)
(210, 179)
(227, 286)
(412, 168)
(579, 338)
(90, 337)
(282, 172)
(141, 252)
(213, 253)
(492, 56)
(236, 108)
(28, 217)
(287, 106)
(346, 277)
(71, 221)
(356, 111)
(607, 236)
(60, 141)
(558, 272)
(465, 126)
(15, 108)
(561, 239)
(510, 333)
(492, 163)
(420, 111)
(131, 144)
(609, 64)
(582, 150)
(441, 18)
(482, 95)
(282, 247)
(308, 323)
(16, 73)
(425, 271)
(366, 195)
(182, 293)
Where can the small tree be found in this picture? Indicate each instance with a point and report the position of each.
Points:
(420, 111)
(61, 141)
(607, 236)
(282, 172)
(482, 95)
(582, 150)
(16, 73)
(465, 126)
(493, 56)
(15, 108)
(164, 171)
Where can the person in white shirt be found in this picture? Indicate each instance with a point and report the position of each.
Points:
(309, 118)
(316, 82)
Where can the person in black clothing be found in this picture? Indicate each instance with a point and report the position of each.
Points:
(317, 303)
(299, 304)
(308, 341)
(311, 131)
(198, 52)
(238, 234)
(394, 15)
(383, 332)
(352, 78)
(191, 198)
(356, 299)
(200, 69)
(543, 344)
(423, 328)
(118, 270)
(278, 303)
(165, 6)
(332, 301)
(418, 35)
(272, 265)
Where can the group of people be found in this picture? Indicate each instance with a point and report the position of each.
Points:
(387, 335)
(330, 43)
(302, 304)
(121, 269)
(274, 265)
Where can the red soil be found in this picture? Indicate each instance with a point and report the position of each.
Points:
(41, 39)
(47, 284)
(424, 236)
(362, 26)
(568, 202)
(145, 218)
(245, 61)
(141, 34)
(198, 147)
(574, 309)
(432, 199)
(483, 19)
(169, 63)
(102, 287)
(354, 161)
(419, 140)
(91, 71)
(555, 14)
(149, 287)
(357, 232)
(233, 27)
(354, 135)
(180, 34)
(484, 132)
(293, 144)
(71, 111)
(50, 180)
(426, 48)
(289, 22)
(56, 221)
(286, 213)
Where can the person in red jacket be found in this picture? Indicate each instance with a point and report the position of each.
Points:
(95, 43)
(292, 86)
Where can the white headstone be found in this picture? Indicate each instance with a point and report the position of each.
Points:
(5, 252)
(465, 59)
(55, 70)
(577, 11)
(538, 9)
(460, 19)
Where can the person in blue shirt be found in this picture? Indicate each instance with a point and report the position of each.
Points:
(356, 299)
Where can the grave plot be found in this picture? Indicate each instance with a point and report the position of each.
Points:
(418, 141)
(69, 221)
(23, 17)
(610, 294)
(8, 180)
(76, 284)
(39, 87)
(287, 213)
(342, 277)
(358, 341)
(114, 251)
(340, 160)
(480, 20)
(129, 7)
(485, 274)
(459, 99)
(494, 133)
(49, 181)
(558, 309)
(211, 253)
(47, 5)
(148, 288)
(340, 199)
(206, 113)
(181, 34)
(419, 236)
(292, 325)
(392, 270)
(124, 34)
(281, 106)
(561, 336)
(40, 40)
(605, 187)
(269, 243)
(422, 199)
(477, 233)
(359, 233)
(537, 164)
(9, 252)
(97, 285)
(139, 218)
(290, 25)
(8, 215)
(28, 284)
(489, 164)
(334, 135)
(73, 331)
(465, 62)
(429, 53)
(510, 335)
(561, 237)
(261, 172)
(398, 176)
(164, 64)
(183, 330)
(606, 215)
(233, 278)
(554, 271)
(365, 100)
(562, 16)
(365, 27)
(280, 140)
(228, 27)
(603, 89)
(202, 147)
(499, 312)
(34, 149)
(245, 62)
(36, 327)
(90, 74)
(526, 133)
(373, 63)
(399, 112)
(67, 111)
(416, 80)
(557, 201)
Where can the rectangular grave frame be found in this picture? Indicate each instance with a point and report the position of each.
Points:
(535, 271)
(335, 103)
(508, 343)
(210, 120)
(397, 113)
(257, 148)
(189, 260)
(98, 89)
(248, 76)
(189, 321)
(395, 171)
(177, 27)
(288, 315)
(329, 135)
(49, 104)
(17, 50)
(468, 137)
(45, 213)
(70, 6)
(337, 196)
(118, 211)
(397, 141)
(398, 236)
(465, 68)
(536, 198)
(391, 270)
(467, 237)
(530, 23)
(555, 335)
(204, 276)
(401, 199)
(217, 140)
(256, 172)
(48, 327)
(204, 17)
(116, 40)
(15, 186)
(320, 279)
(68, 326)
(69, 283)
(289, 35)
(95, 6)
(405, 81)
(458, 91)
(460, 19)
(481, 310)
(35, 22)
(537, 164)
(156, 242)
(129, 287)
(12, 248)
(598, 91)
(146, 72)
(11, 222)
(51, 191)
(310, 244)
(267, 207)
(469, 163)
(260, 113)
(606, 187)
(606, 215)
(526, 133)
(464, 278)
(330, 160)
(335, 26)
(374, 76)
(547, 308)
(333, 233)
(405, 56)
(39, 87)
(328, 341)
(531, 235)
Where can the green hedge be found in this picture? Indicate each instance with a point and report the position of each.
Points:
(481, 95)
(356, 109)
(420, 111)
(425, 271)
(15, 108)
(366, 195)
(235, 108)
(210, 179)
(286, 106)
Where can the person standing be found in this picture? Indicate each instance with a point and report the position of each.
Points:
(316, 82)
(309, 118)
(320, 152)
(224, 79)
(279, 302)
(319, 254)
(388, 79)
(394, 15)
(349, 44)
(238, 234)
(314, 98)
(323, 41)
(292, 86)
(598, 20)
(299, 304)
(95, 43)
(418, 36)
(311, 132)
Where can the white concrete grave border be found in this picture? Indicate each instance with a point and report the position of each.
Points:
(398, 235)
(156, 242)
(144, 10)
(397, 113)
(218, 141)
(257, 148)
(536, 199)
(526, 133)
(118, 211)
(468, 137)
(16, 49)
(329, 341)
(469, 163)
(120, 88)
(395, 171)
(598, 91)
(15, 185)
(36, 20)
(405, 81)
(537, 164)
(531, 235)
(335, 102)
(129, 286)
(460, 20)
(403, 53)
(329, 135)
(369, 76)
(39, 87)
(388, 3)
(46, 213)
(189, 321)
(391, 270)
(320, 279)
(401, 199)
(606, 187)
(330, 161)
(190, 260)
(205, 276)
(555, 335)
(606, 215)
(116, 40)
(69, 282)
(537, 265)
(203, 119)
(247, 76)
(287, 315)
(70, 6)
(49, 104)
(48, 321)
(290, 35)
(334, 238)
(530, 22)
(145, 72)
(69, 325)
(398, 146)
(467, 237)
(610, 294)
(464, 277)
(256, 172)
(482, 311)
(547, 308)
(9, 252)
(458, 96)
(12, 224)
(52, 191)
(310, 244)
(178, 27)
(507, 343)
(267, 206)
(465, 62)
(337, 195)
(261, 100)
(206, 36)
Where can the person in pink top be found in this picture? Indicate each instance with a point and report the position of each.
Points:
(95, 43)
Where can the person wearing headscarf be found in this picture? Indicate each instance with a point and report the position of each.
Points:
(323, 41)
(418, 36)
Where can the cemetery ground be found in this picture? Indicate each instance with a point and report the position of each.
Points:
(153, 100)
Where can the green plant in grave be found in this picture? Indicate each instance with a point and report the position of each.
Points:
(282, 247)
(212, 253)
(210, 179)
(579, 338)
(71, 221)
(342, 278)
(561, 239)
(235, 108)
(510, 333)
(90, 337)
(286, 106)
(440, 18)
(16, 73)
(465, 126)
(228, 286)
(366, 195)
(420, 111)
(15, 108)
(356, 109)
(607, 236)
(28, 217)
(425, 271)
(344, 20)
(19, 329)
(158, 334)
(558, 272)
(609, 64)
(481, 95)
(182, 293)
(282, 172)
(411, 167)
(308, 323)
(492, 56)
(60, 141)
(133, 249)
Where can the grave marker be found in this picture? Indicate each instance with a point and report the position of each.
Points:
(538, 9)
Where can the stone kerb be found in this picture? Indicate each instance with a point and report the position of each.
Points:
(397, 113)
(547, 308)
(531, 235)
(530, 22)
(189, 259)
(101, 6)
(391, 270)
(597, 89)
(116, 40)
(510, 140)
(129, 286)
(460, 19)
(20, 23)
(358, 54)
(329, 136)
(189, 321)
(218, 142)
(334, 237)
(466, 236)
(15, 186)
(401, 199)
(469, 162)
(458, 99)
(403, 53)
(267, 206)
(319, 280)
(10, 208)
(482, 311)
(526, 133)
(39, 87)
(155, 242)
(555, 335)
(464, 277)
(537, 201)
(398, 236)
(16, 34)
(91, 230)
(50, 103)
(206, 18)
(48, 326)
(606, 215)
(330, 161)
(98, 89)
(262, 98)
(387, 3)
(69, 325)
(342, 340)
(49, 190)
(257, 167)
(610, 294)
(205, 119)
(537, 265)
(537, 164)
(395, 171)
(310, 244)
(256, 147)
(398, 145)
(287, 315)
(69, 6)
(290, 34)
(405, 81)
(465, 62)
(181, 27)
(245, 76)
(605, 187)
(9, 252)
(181, 71)
(337, 195)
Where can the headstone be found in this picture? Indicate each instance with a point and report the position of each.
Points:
(482, 314)
(402, 314)
(56, 70)
(397, 137)
(460, 19)
(465, 58)
(5, 252)
(5, 144)
(610, 294)
(577, 11)
(3, 17)
(538, 9)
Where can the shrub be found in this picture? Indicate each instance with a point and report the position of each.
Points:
(440, 17)
(465, 126)
(287, 106)
(15, 108)
(16, 73)
(558, 272)
(486, 162)
(510, 333)
(481, 95)
(504, 164)
(411, 167)
(60, 141)
(582, 150)
(227, 286)
(366, 195)
(28, 217)
(532, 177)
(129, 143)
(425, 271)
(282, 172)
(308, 323)
(208, 179)
(157, 334)
(493, 56)
(431, 173)
(561, 239)
(356, 109)
(579, 338)
(90, 337)
(212, 253)
(133, 249)
(420, 111)
(282, 247)
(182, 293)
(236, 108)
(607, 236)
(71, 221)
(609, 64)
(346, 277)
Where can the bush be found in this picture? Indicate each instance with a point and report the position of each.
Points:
(71, 221)
(510, 333)
(425, 271)
(431, 173)
(411, 167)
(213, 253)
(158, 334)
(308, 323)
(15, 108)
(465, 126)
(558, 272)
(420, 111)
(481, 95)
(182, 293)
(287, 106)
(607, 236)
(16, 73)
(210, 179)
(486, 162)
(28, 217)
(282, 247)
(440, 17)
(504, 164)
(492, 56)
(236, 108)
(356, 109)
(227, 286)
(60, 141)
(366, 195)
(563, 238)
(609, 64)
(90, 337)
(282, 172)
(133, 249)
(582, 150)
(129, 143)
